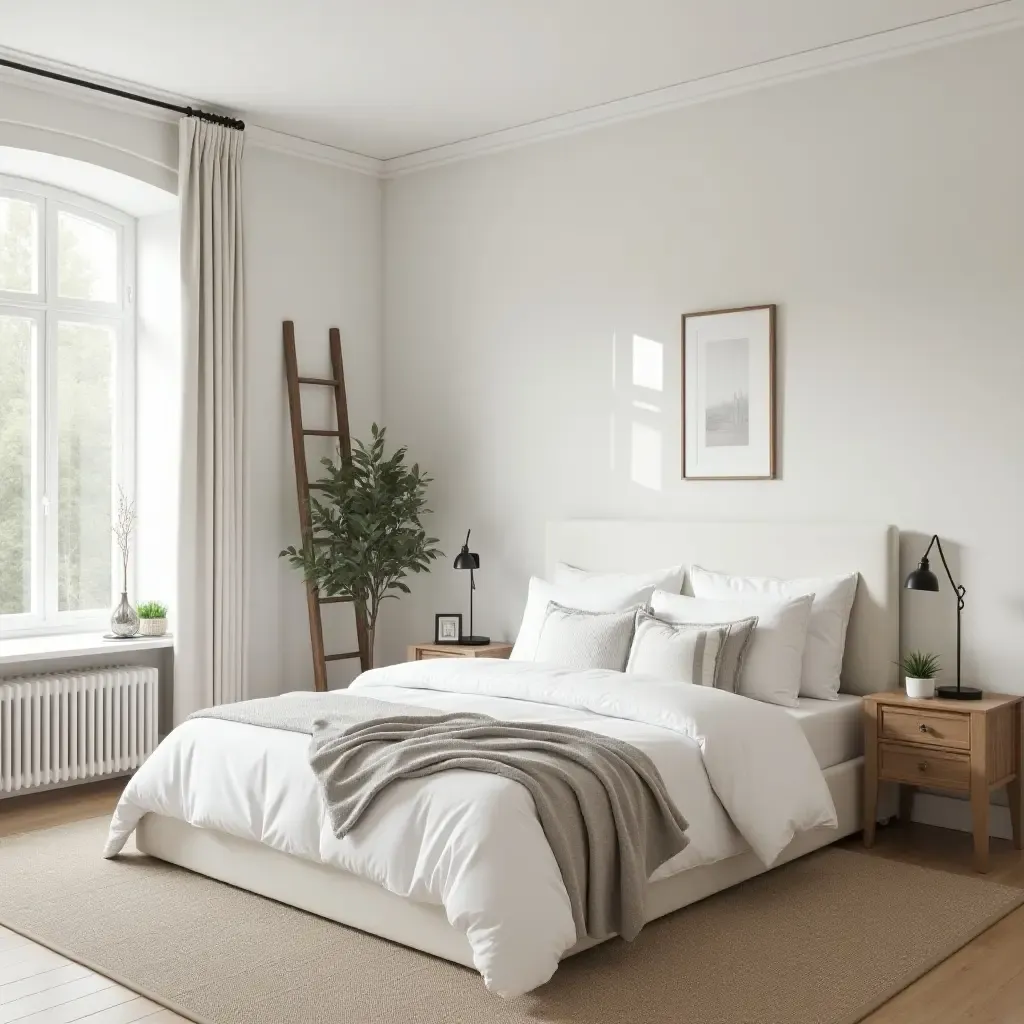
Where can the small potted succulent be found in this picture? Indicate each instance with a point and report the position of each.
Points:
(920, 670)
(152, 618)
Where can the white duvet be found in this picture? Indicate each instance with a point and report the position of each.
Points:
(740, 771)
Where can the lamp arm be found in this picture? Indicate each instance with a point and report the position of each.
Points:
(959, 590)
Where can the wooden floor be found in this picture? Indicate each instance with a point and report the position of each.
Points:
(38, 986)
(982, 984)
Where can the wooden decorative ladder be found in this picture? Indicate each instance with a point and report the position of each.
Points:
(299, 434)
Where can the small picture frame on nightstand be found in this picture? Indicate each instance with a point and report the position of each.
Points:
(448, 628)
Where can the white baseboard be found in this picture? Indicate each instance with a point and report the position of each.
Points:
(953, 812)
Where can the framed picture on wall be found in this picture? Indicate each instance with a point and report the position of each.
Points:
(729, 394)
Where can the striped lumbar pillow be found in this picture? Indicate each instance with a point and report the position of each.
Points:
(676, 651)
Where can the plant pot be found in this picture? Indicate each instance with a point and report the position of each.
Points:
(920, 689)
(152, 627)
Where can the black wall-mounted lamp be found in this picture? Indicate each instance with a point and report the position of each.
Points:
(470, 560)
(922, 578)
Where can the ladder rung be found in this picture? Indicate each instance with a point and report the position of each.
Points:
(325, 381)
(339, 657)
(323, 433)
(335, 600)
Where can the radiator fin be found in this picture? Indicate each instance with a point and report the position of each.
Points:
(75, 725)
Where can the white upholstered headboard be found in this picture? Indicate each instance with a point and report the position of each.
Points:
(762, 549)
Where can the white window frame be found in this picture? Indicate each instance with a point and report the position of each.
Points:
(47, 309)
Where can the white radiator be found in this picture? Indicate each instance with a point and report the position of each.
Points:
(66, 726)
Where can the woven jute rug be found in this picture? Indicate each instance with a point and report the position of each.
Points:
(823, 940)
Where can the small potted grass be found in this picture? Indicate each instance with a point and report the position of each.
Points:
(920, 670)
(152, 618)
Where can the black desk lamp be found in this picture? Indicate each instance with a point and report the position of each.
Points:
(467, 559)
(922, 578)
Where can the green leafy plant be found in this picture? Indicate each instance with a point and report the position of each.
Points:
(366, 531)
(919, 665)
(152, 610)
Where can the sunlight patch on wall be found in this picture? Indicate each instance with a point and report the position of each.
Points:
(648, 359)
(646, 456)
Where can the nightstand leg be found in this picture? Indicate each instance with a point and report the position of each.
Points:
(1013, 796)
(979, 814)
(870, 771)
(1013, 790)
(870, 805)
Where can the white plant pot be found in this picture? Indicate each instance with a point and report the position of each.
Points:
(152, 627)
(919, 689)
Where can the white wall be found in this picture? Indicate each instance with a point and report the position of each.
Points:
(312, 255)
(72, 123)
(881, 207)
(312, 236)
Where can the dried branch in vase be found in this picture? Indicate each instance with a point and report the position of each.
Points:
(124, 524)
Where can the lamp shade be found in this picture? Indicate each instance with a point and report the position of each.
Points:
(467, 559)
(922, 578)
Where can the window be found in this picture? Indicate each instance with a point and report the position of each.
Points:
(67, 403)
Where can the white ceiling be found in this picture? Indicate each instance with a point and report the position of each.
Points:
(386, 78)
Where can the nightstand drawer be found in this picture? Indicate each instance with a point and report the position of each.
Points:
(927, 728)
(429, 652)
(944, 769)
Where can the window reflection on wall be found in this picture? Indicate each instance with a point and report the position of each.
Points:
(648, 363)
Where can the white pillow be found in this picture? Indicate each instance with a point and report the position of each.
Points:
(670, 579)
(678, 653)
(771, 669)
(826, 633)
(591, 596)
(579, 640)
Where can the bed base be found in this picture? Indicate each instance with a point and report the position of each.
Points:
(350, 900)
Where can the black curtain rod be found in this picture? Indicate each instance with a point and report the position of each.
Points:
(203, 115)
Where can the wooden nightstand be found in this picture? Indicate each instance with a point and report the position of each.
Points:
(958, 746)
(421, 652)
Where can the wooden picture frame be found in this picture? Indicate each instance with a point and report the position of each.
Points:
(728, 437)
(442, 628)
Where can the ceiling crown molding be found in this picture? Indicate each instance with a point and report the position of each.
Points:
(256, 135)
(994, 17)
(267, 138)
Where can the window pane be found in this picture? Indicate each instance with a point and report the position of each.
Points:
(86, 259)
(85, 413)
(19, 246)
(17, 348)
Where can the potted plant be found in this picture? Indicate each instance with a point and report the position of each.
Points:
(367, 534)
(152, 618)
(920, 670)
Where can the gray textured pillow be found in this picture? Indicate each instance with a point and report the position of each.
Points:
(576, 639)
(676, 651)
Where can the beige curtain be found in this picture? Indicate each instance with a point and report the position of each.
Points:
(209, 648)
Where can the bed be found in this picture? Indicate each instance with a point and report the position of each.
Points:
(260, 837)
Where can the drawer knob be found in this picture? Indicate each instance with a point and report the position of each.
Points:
(923, 727)
(922, 766)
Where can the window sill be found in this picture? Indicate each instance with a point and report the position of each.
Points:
(18, 650)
